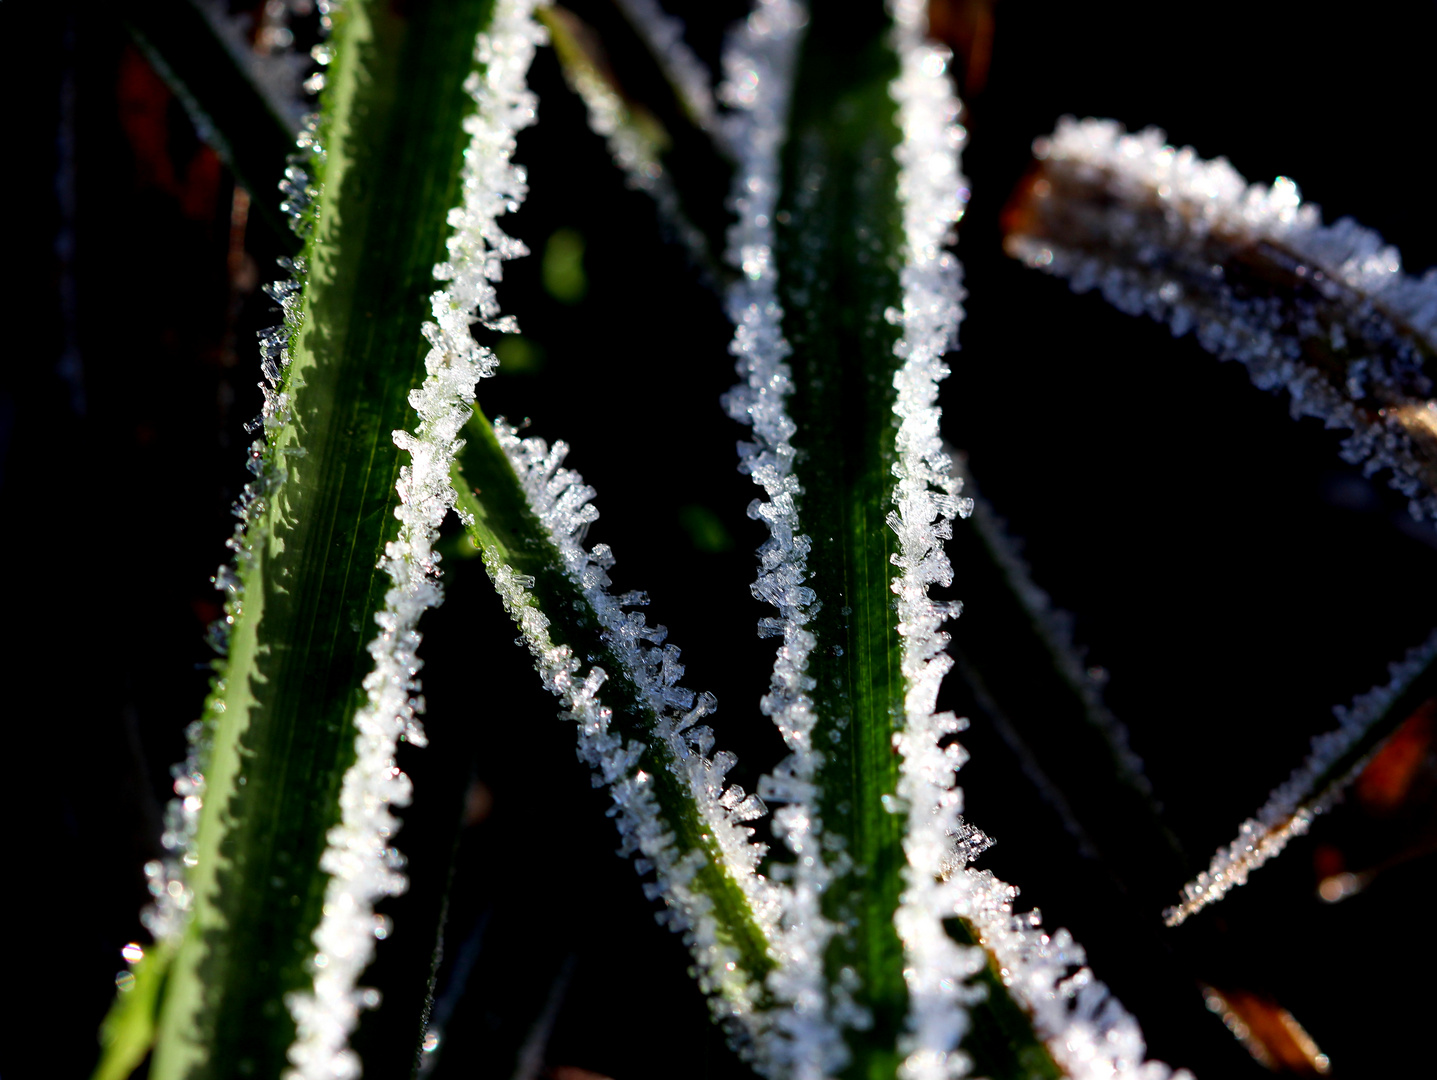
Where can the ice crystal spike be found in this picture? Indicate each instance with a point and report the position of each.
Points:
(1324, 311)
(646, 671)
(759, 66)
(362, 864)
(1336, 759)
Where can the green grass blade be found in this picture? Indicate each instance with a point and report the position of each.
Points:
(636, 724)
(279, 723)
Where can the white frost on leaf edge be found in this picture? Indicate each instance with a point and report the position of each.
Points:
(560, 499)
(1386, 402)
(167, 878)
(363, 864)
(932, 193)
(1291, 808)
(759, 62)
(1087, 1031)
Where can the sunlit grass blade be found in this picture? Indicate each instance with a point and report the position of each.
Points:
(1336, 759)
(1322, 311)
(638, 728)
(278, 739)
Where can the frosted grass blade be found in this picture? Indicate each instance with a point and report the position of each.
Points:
(1336, 760)
(277, 737)
(1322, 311)
(638, 728)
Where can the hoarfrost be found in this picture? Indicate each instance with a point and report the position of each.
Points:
(560, 500)
(1085, 1029)
(1312, 789)
(167, 878)
(362, 863)
(932, 193)
(759, 65)
(1324, 311)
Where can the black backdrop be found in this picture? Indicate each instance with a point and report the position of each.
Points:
(1232, 576)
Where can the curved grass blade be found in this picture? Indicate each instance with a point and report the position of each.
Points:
(319, 519)
(687, 75)
(638, 728)
(1324, 311)
(1336, 759)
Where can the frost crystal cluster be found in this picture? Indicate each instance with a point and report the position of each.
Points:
(362, 863)
(1324, 311)
(1312, 789)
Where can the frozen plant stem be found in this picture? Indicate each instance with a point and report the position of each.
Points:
(1324, 312)
(1336, 760)
(280, 721)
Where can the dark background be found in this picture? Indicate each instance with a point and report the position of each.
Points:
(1229, 573)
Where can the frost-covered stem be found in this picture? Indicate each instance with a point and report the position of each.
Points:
(932, 193)
(363, 865)
(759, 61)
(639, 730)
(1322, 311)
(1337, 758)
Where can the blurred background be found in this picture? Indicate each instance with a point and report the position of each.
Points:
(1230, 578)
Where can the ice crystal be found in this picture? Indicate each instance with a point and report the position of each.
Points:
(1312, 789)
(1324, 311)
(932, 193)
(362, 863)
(560, 499)
(167, 878)
(759, 63)
(1087, 1030)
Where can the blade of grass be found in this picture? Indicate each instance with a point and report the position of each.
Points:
(632, 740)
(279, 719)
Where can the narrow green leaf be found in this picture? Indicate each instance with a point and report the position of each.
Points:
(555, 611)
(279, 719)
